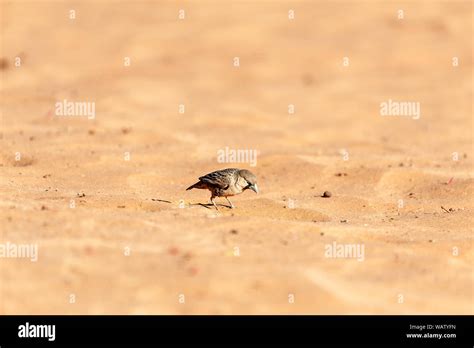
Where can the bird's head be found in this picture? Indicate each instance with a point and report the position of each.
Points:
(250, 178)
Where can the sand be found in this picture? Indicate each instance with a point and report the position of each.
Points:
(104, 198)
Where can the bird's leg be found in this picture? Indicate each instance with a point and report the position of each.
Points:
(231, 205)
(214, 203)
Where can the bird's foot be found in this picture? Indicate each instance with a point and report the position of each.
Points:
(231, 206)
(214, 204)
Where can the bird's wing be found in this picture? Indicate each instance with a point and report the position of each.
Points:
(221, 178)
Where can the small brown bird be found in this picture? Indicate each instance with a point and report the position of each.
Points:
(227, 182)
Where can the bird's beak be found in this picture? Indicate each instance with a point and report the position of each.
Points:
(254, 188)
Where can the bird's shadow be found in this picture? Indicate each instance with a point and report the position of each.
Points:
(205, 205)
(210, 205)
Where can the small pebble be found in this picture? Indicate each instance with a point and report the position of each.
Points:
(173, 251)
(187, 256)
(326, 194)
(3, 63)
(192, 271)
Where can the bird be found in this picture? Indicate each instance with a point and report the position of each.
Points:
(227, 182)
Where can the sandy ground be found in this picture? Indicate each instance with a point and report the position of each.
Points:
(106, 244)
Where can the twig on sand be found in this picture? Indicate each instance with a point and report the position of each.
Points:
(446, 210)
(160, 200)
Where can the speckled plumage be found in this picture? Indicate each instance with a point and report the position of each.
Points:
(227, 182)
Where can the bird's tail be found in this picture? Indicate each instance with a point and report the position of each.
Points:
(196, 185)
